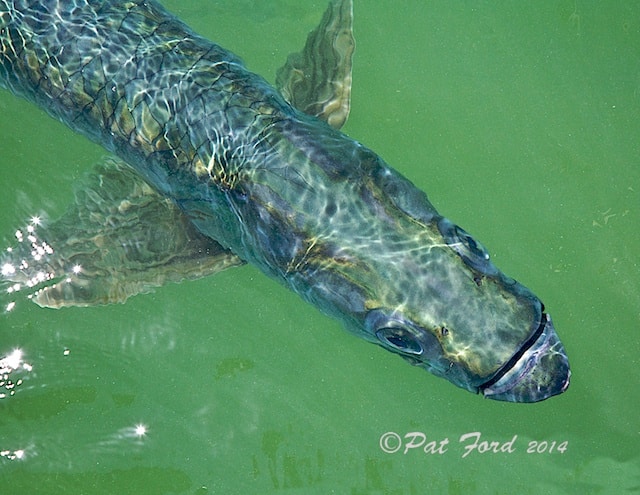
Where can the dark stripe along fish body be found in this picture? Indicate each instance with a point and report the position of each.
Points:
(282, 190)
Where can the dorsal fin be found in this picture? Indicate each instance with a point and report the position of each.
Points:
(317, 80)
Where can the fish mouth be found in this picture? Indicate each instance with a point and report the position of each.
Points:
(538, 371)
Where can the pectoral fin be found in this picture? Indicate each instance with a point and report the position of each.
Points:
(317, 80)
(118, 239)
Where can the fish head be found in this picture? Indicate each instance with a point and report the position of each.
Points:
(420, 286)
(467, 322)
(443, 306)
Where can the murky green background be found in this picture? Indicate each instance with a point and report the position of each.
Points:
(522, 122)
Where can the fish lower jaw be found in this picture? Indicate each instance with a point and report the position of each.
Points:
(541, 372)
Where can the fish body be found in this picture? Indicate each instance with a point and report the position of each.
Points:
(266, 183)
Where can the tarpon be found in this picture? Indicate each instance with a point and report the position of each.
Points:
(216, 167)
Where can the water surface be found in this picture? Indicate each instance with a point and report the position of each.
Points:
(520, 121)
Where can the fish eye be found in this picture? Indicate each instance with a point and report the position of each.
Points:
(473, 247)
(399, 339)
(471, 251)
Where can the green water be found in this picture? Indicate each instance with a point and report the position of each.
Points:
(521, 121)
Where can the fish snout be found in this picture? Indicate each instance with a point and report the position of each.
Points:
(540, 372)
